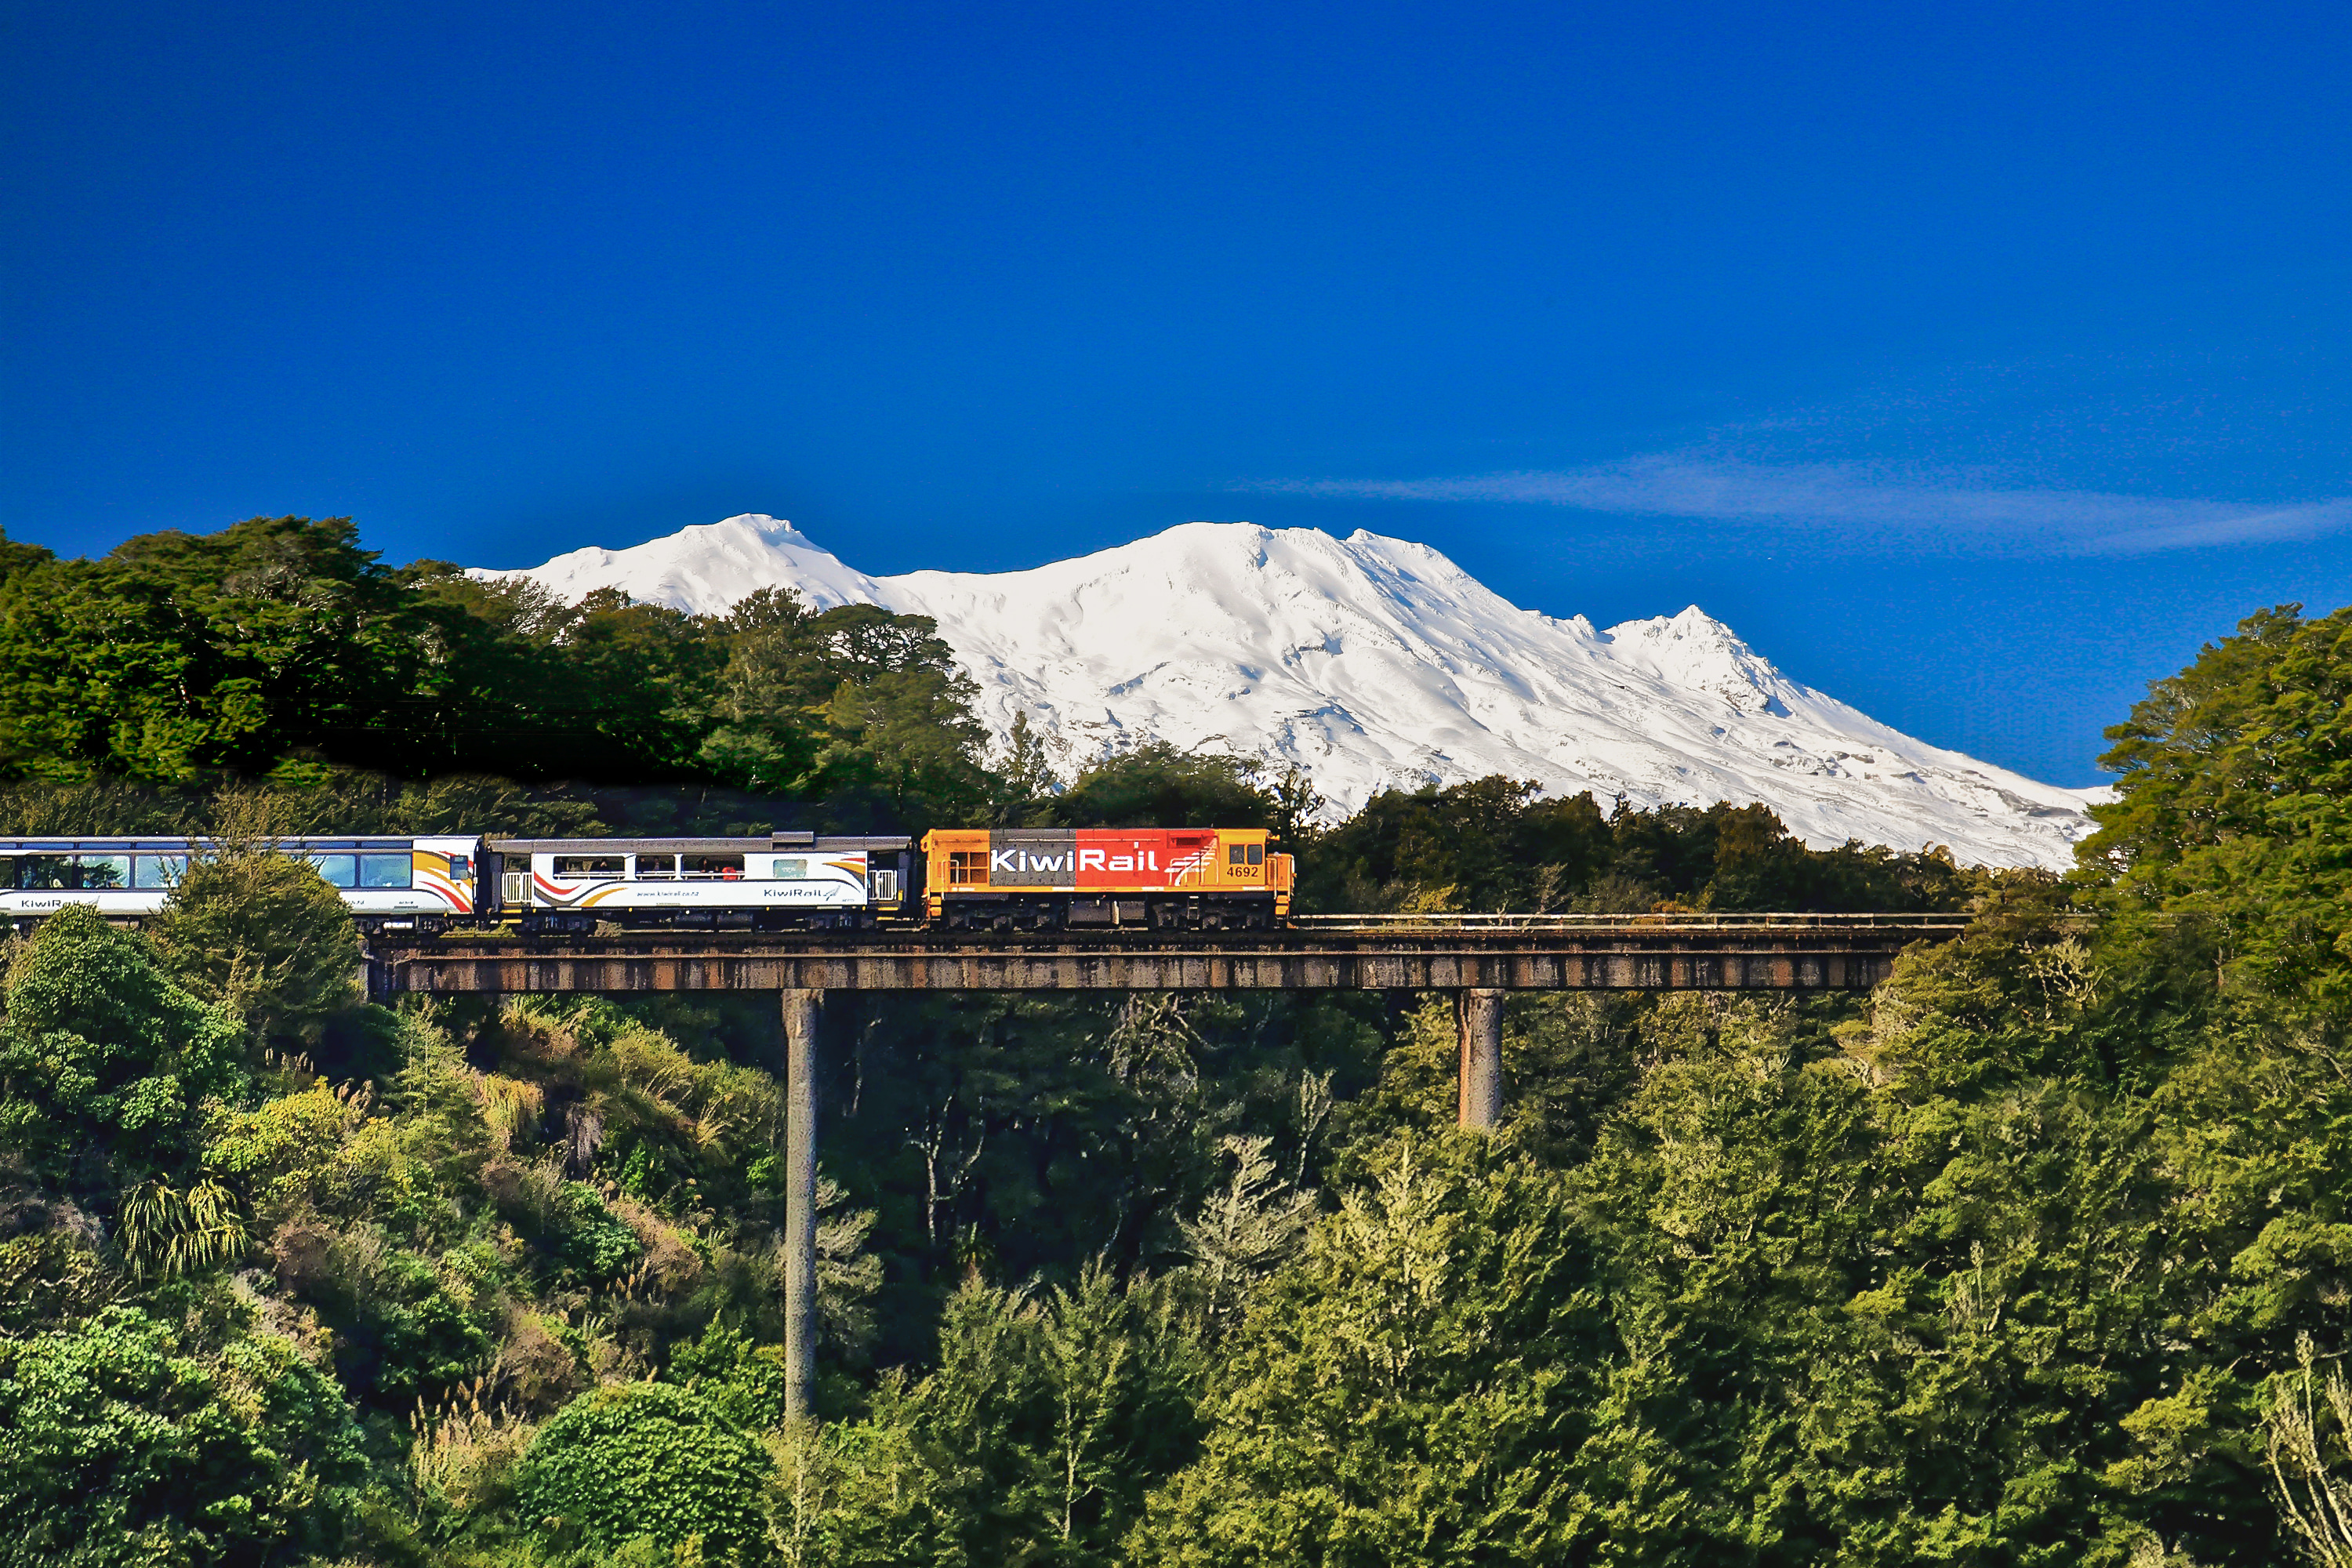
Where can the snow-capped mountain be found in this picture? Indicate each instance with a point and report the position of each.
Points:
(1371, 662)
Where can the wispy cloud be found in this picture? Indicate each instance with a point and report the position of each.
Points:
(2038, 521)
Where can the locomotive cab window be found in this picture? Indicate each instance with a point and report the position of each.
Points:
(656, 866)
(384, 870)
(158, 870)
(713, 867)
(598, 865)
(1257, 853)
(967, 865)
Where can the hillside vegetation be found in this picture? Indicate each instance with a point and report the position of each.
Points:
(2037, 1255)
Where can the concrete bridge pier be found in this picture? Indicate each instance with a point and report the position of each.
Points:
(1479, 1016)
(801, 1010)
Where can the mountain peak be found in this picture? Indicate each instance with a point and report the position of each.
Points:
(708, 567)
(1373, 663)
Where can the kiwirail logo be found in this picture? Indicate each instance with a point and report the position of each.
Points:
(1034, 857)
(1104, 861)
(1013, 865)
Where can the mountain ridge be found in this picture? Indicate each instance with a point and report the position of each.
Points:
(1374, 662)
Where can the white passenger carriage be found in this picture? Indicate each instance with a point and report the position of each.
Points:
(392, 883)
(781, 882)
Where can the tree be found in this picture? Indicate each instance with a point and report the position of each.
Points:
(1156, 785)
(1409, 1391)
(1246, 1229)
(2233, 807)
(179, 652)
(262, 934)
(1049, 1414)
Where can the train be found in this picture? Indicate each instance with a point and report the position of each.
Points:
(980, 879)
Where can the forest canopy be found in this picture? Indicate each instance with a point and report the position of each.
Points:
(2038, 1253)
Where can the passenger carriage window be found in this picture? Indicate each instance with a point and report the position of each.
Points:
(336, 871)
(102, 870)
(45, 873)
(7, 872)
(657, 866)
(384, 870)
(158, 870)
(713, 867)
(788, 870)
(600, 865)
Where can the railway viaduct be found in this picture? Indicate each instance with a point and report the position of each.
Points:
(1476, 958)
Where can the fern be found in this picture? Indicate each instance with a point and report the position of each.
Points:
(165, 1231)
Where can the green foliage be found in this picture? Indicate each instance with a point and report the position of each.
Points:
(1495, 844)
(1033, 1440)
(178, 653)
(648, 1460)
(280, 648)
(125, 1446)
(846, 701)
(2234, 808)
(588, 1237)
(743, 1383)
(47, 1277)
(1021, 1135)
(1415, 1378)
(2020, 1260)
(1156, 785)
(105, 1065)
(166, 1231)
(263, 935)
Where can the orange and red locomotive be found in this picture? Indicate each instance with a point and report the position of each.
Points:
(1163, 879)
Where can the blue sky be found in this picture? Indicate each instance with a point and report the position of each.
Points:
(1975, 363)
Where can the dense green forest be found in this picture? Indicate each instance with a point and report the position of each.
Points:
(2038, 1255)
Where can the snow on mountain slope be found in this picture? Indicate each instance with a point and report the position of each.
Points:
(706, 568)
(1372, 662)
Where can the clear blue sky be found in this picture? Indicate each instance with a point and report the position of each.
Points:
(1976, 362)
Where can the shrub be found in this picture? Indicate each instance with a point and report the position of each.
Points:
(591, 1238)
(744, 1382)
(405, 1330)
(121, 1449)
(104, 1063)
(648, 1460)
(570, 1219)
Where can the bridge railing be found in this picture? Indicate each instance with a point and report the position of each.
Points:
(1675, 920)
